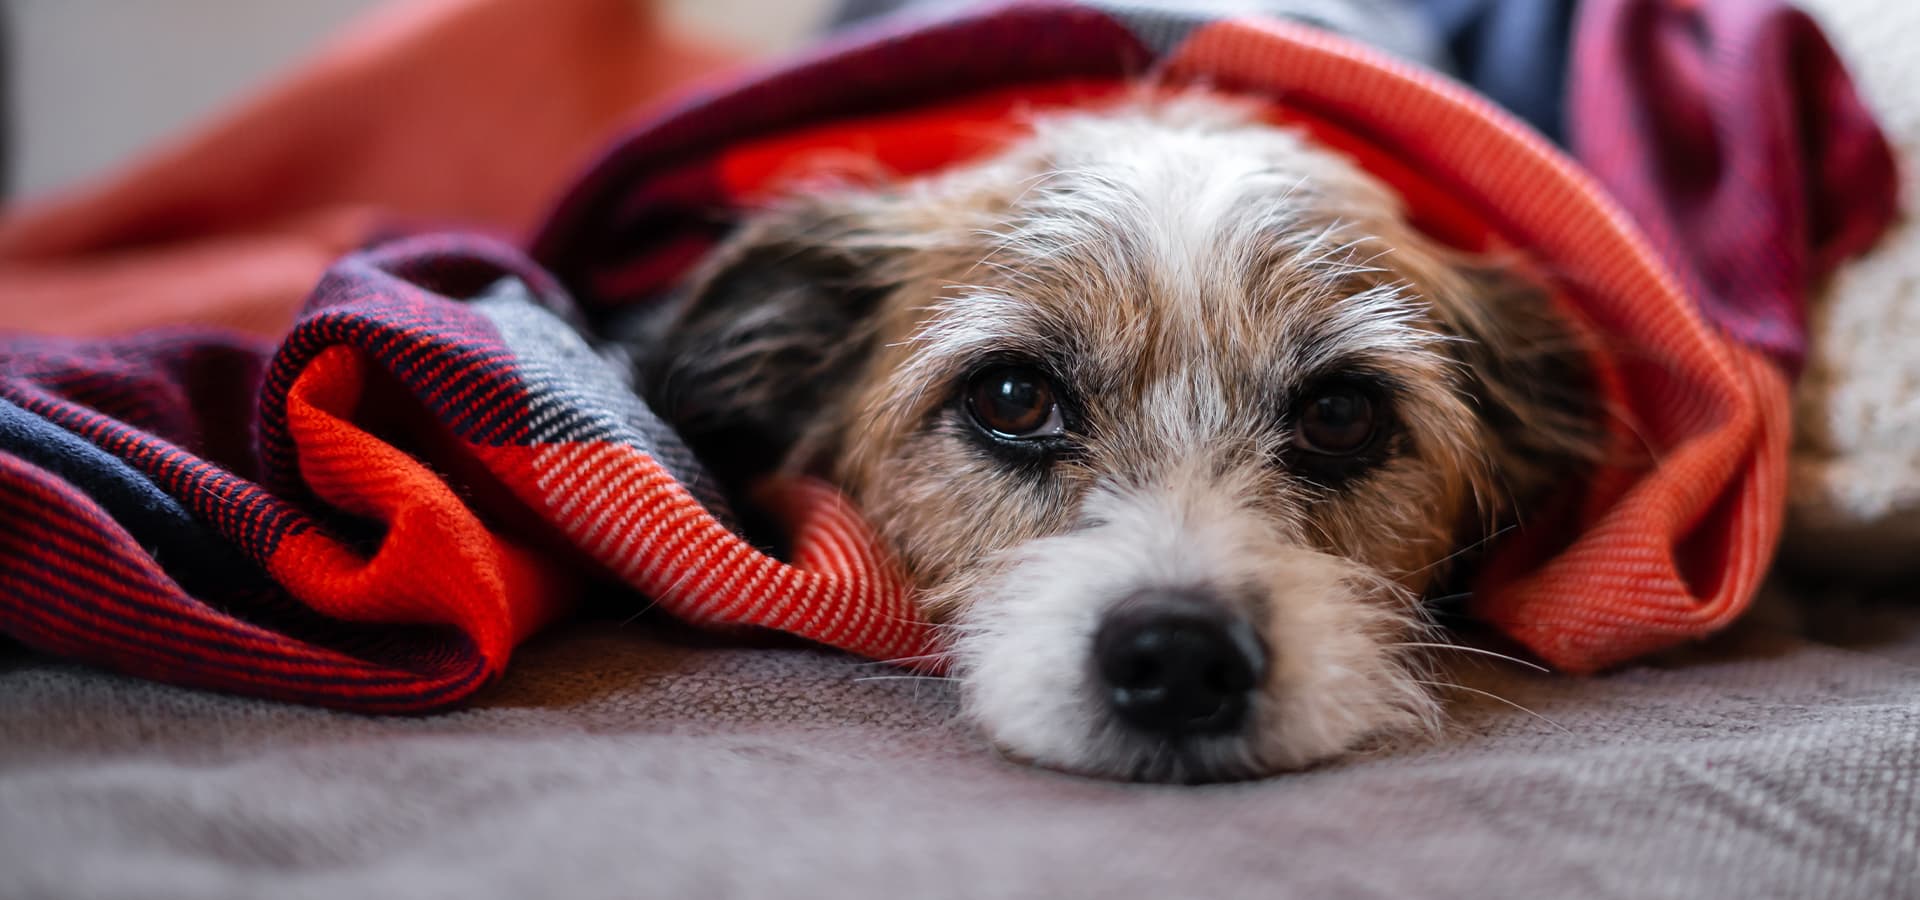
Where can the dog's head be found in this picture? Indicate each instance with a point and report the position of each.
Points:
(1170, 414)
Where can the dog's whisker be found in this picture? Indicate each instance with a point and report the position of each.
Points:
(668, 594)
(1445, 686)
(1483, 652)
(901, 660)
(1463, 550)
(940, 678)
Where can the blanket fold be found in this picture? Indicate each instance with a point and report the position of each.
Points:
(373, 511)
(442, 462)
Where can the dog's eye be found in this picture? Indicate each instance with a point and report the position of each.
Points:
(1014, 402)
(1336, 422)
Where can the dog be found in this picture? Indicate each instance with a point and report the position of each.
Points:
(1173, 419)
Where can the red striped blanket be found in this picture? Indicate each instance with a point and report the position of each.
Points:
(373, 511)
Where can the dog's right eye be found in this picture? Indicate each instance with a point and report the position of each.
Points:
(1014, 402)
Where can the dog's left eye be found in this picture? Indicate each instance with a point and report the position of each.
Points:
(1014, 402)
(1337, 422)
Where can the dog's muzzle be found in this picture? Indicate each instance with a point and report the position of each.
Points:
(1174, 663)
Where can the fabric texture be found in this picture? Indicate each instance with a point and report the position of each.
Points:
(1514, 51)
(435, 412)
(1396, 27)
(441, 111)
(617, 763)
(1854, 504)
(1733, 134)
(440, 455)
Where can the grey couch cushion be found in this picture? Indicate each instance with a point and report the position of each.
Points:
(612, 763)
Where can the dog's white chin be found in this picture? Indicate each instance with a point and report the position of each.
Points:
(1338, 676)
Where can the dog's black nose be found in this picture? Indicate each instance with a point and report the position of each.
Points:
(1178, 662)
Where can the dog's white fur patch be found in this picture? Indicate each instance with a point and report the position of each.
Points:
(1336, 676)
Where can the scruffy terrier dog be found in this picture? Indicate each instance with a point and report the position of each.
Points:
(1172, 416)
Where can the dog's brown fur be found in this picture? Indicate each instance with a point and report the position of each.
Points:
(1187, 276)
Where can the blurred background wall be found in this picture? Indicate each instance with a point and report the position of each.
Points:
(94, 81)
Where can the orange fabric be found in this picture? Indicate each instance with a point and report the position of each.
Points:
(435, 561)
(939, 136)
(475, 111)
(906, 143)
(1665, 555)
(839, 585)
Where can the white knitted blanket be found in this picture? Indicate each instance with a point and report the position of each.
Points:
(1854, 506)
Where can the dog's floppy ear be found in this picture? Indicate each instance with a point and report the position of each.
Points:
(771, 330)
(1529, 373)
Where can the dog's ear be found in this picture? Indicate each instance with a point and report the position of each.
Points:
(772, 329)
(1529, 373)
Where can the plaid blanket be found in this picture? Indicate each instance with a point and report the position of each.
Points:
(435, 462)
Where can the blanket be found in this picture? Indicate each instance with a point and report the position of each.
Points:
(373, 512)
(232, 223)
(1854, 500)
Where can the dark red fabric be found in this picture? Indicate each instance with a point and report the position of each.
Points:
(608, 235)
(1731, 132)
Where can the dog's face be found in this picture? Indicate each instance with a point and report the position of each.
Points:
(1172, 417)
